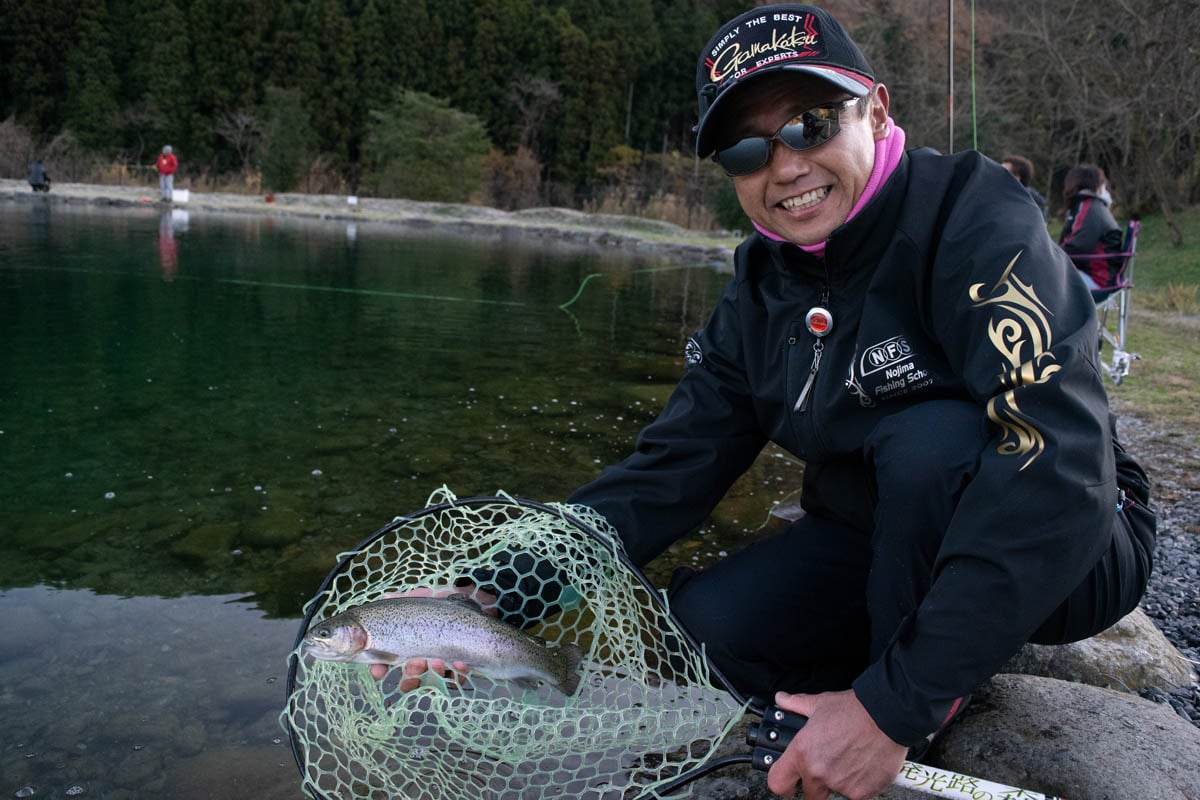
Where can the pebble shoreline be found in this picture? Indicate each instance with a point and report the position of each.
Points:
(1172, 597)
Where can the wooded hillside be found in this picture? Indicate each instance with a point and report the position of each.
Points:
(568, 98)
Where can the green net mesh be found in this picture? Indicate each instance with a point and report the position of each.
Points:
(645, 711)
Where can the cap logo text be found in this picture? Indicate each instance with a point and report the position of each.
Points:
(734, 60)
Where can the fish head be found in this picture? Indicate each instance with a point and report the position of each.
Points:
(335, 639)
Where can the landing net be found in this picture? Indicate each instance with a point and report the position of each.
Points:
(646, 710)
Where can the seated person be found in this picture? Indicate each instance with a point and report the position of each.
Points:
(1089, 228)
(1022, 169)
(39, 179)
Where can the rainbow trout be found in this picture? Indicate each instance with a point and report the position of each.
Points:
(396, 629)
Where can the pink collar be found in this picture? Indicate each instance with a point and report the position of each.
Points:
(887, 156)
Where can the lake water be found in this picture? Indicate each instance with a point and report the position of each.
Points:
(199, 412)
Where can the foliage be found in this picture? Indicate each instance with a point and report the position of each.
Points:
(511, 182)
(570, 80)
(287, 139)
(419, 147)
(729, 211)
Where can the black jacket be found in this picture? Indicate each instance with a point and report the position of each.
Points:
(946, 285)
(1089, 229)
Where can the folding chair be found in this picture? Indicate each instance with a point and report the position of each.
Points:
(1115, 299)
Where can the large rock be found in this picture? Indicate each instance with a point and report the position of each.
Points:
(1070, 725)
(1129, 656)
(1073, 740)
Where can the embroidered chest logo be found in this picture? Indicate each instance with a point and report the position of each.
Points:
(692, 355)
(1020, 332)
(885, 370)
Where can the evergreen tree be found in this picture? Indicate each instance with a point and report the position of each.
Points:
(287, 139)
(284, 45)
(327, 81)
(91, 81)
(371, 74)
(422, 148)
(165, 76)
(35, 37)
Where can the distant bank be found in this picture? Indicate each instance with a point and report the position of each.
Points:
(554, 225)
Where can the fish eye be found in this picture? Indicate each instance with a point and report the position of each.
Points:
(323, 632)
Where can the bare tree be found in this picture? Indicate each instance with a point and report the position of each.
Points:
(1103, 81)
(137, 122)
(533, 98)
(16, 148)
(243, 131)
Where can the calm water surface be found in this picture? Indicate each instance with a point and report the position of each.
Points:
(197, 413)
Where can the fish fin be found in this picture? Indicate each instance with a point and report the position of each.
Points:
(465, 599)
(572, 660)
(369, 656)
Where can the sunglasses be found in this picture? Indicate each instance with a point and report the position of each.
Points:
(804, 131)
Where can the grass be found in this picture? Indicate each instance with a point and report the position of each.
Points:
(1164, 325)
(1160, 263)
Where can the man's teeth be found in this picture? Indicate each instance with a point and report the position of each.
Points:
(805, 200)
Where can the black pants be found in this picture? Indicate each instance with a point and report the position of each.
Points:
(808, 608)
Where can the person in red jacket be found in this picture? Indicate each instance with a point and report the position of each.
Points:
(167, 164)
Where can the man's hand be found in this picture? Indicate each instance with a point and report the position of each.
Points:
(839, 749)
(415, 668)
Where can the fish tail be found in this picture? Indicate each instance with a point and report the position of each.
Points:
(570, 659)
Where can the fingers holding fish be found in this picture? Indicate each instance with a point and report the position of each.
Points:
(415, 670)
(426, 633)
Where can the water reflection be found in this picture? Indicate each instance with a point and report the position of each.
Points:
(196, 411)
(142, 697)
(170, 221)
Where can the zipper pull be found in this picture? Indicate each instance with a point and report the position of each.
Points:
(802, 400)
(819, 322)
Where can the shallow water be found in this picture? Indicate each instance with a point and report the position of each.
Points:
(197, 413)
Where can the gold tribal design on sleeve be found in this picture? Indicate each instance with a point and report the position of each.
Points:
(1020, 332)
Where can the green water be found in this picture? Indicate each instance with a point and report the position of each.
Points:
(197, 413)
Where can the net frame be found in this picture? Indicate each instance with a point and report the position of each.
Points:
(640, 722)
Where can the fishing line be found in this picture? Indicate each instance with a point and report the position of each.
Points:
(974, 120)
(579, 291)
(277, 285)
(368, 292)
(587, 278)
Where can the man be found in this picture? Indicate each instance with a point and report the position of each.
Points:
(902, 322)
(166, 165)
(39, 179)
(1021, 168)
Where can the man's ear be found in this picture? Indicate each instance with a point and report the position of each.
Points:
(880, 102)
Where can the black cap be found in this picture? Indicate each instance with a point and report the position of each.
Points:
(772, 38)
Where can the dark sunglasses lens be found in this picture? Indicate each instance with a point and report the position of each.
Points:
(745, 156)
(812, 128)
(806, 131)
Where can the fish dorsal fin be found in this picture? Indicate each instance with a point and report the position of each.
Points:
(466, 600)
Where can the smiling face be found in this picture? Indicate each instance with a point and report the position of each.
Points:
(802, 196)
